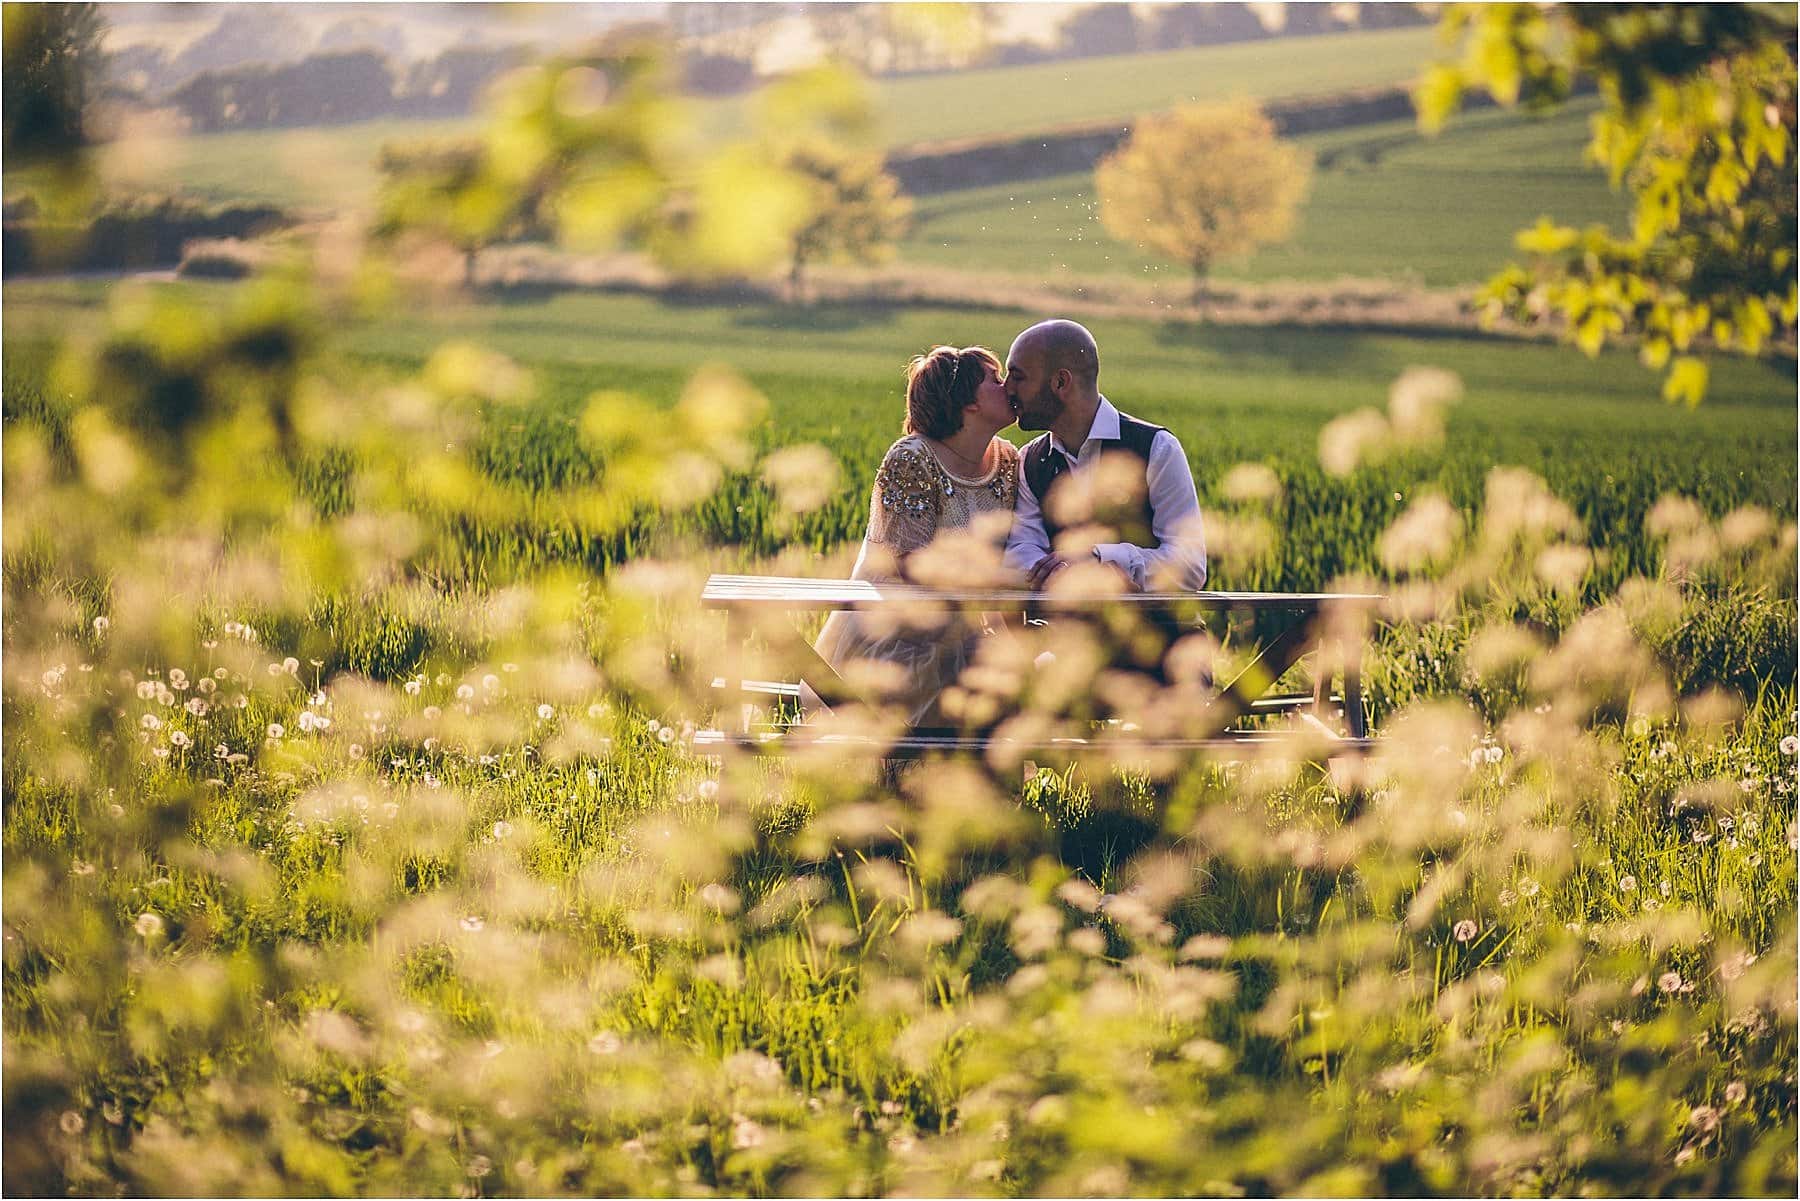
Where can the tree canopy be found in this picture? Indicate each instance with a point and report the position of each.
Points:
(1697, 122)
(1202, 183)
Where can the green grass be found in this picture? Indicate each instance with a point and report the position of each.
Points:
(497, 929)
(1386, 203)
(1594, 429)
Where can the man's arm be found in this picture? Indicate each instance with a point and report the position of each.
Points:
(1178, 560)
(1028, 542)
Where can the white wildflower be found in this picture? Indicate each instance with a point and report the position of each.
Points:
(1465, 930)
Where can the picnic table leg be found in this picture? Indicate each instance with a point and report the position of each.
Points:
(734, 695)
(1279, 654)
(1354, 717)
(1321, 690)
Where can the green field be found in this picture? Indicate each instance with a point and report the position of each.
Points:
(333, 168)
(1386, 203)
(1596, 430)
(420, 885)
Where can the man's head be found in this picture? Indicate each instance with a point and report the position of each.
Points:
(1052, 367)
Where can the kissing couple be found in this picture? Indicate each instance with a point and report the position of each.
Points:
(956, 506)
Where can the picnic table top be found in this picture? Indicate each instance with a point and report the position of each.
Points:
(799, 592)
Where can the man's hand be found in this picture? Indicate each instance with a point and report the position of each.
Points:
(1046, 567)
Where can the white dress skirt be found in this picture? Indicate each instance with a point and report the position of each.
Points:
(931, 526)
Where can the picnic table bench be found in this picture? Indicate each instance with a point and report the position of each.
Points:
(748, 600)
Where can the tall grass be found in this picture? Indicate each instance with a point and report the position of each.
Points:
(355, 841)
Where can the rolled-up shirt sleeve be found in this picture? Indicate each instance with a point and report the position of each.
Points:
(1178, 560)
(1029, 541)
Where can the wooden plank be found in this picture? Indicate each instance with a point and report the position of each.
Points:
(760, 687)
(917, 746)
(797, 592)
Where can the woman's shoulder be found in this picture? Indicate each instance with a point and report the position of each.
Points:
(909, 473)
(1004, 451)
(908, 447)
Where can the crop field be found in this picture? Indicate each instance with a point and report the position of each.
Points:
(333, 168)
(356, 842)
(1595, 430)
(1386, 203)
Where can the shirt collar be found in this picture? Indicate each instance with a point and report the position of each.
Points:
(1105, 426)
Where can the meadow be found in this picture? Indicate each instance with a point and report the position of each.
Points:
(385, 865)
(356, 841)
(1594, 429)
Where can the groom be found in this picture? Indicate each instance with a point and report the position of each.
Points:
(1052, 380)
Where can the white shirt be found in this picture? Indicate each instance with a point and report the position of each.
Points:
(1177, 561)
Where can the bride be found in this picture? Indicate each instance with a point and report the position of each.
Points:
(941, 508)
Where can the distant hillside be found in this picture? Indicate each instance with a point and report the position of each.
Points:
(334, 167)
(999, 101)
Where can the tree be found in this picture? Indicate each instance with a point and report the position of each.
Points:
(1100, 29)
(444, 187)
(1180, 25)
(857, 209)
(1203, 183)
(451, 84)
(1697, 123)
(51, 54)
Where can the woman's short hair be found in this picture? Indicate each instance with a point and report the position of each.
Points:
(940, 383)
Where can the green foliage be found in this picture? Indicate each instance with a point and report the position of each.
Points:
(52, 53)
(1699, 123)
(857, 211)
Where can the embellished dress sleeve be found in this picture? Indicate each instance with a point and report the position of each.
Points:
(905, 507)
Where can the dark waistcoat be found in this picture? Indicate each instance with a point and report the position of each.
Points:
(1130, 518)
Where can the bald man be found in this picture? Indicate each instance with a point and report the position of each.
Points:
(1053, 382)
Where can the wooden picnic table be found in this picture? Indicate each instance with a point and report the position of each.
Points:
(742, 598)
